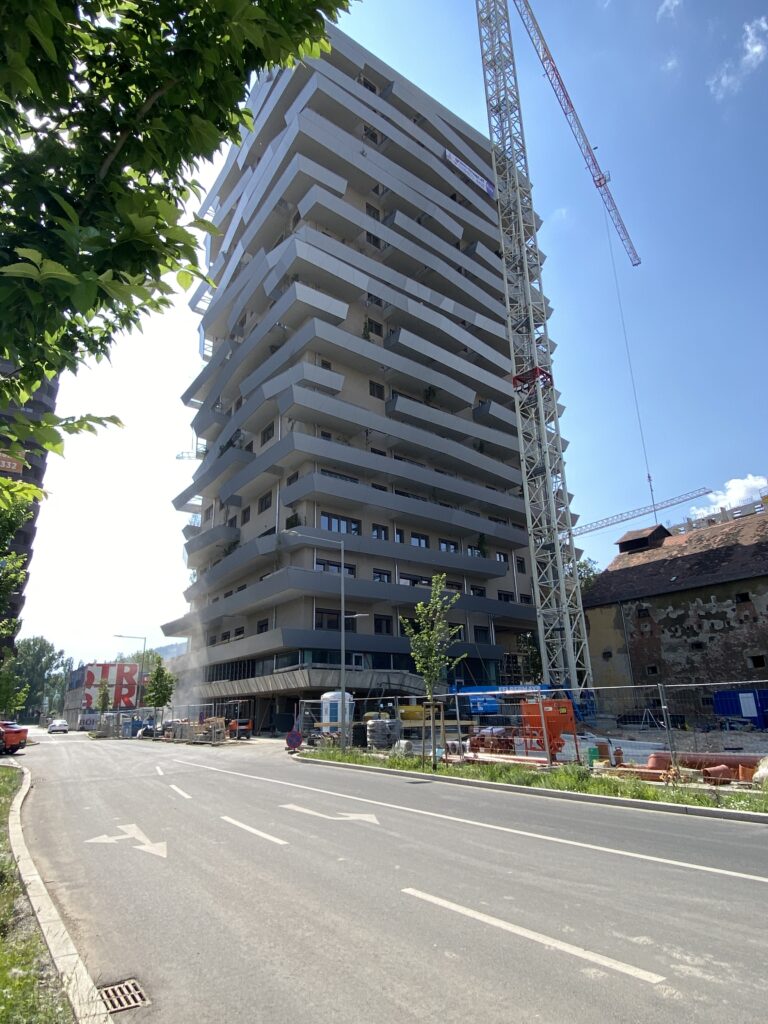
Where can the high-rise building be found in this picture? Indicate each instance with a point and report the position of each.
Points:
(356, 391)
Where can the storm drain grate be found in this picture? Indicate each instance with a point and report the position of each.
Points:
(127, 995)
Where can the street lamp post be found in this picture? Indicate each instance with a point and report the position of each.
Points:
(132, 636)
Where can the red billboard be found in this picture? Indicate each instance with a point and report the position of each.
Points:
(121, 677)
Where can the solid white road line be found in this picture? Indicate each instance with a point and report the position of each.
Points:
(544, 940)
(486, 825)
(159, 770)
(181, 792)
(254, 831)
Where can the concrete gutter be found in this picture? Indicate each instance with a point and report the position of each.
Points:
(756, 817)
(87, 1004)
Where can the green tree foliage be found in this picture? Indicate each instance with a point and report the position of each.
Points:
(431, 634)
(160, 686)
(106, 107)
(102, 697)
(36, 665)
(587, 571)
(12, 574)
(13, 691)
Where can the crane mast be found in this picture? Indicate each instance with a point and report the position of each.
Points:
(557, 594)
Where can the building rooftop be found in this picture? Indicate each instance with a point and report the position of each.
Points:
(737, 550)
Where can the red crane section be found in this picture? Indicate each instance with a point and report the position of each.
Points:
(599, 177)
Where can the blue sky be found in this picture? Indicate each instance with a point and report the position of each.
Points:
(674, 95)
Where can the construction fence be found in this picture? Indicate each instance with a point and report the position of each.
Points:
(628, 724)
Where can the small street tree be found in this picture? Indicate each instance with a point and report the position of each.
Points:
(431, 636)
(159, 688)
(102, 698)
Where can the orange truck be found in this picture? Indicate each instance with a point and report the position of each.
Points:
(13, 737)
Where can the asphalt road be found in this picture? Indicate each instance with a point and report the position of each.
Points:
(236, 884)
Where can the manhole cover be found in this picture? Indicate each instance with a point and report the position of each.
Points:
(126, 995)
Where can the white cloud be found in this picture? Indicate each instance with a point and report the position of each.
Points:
(670, 64)
(558, 214)
(667, 9)
(728, 79)
(734, 493)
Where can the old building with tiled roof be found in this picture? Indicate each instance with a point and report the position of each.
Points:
(683, 608)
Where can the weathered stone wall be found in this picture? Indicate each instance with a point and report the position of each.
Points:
(708, 635)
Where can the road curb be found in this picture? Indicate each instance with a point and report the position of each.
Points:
(82, 993)
(755, 817)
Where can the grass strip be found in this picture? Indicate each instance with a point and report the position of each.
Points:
(572, 778)
(29, 987)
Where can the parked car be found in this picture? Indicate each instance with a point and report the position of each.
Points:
(59, 725)
(13, 737)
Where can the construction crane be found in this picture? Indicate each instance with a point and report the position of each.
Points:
(635, 513)
(599, 177)
(557, 595)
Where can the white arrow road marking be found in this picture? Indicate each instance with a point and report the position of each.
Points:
(342, 816)
(544, 940)
(254, 831)
(133, 832)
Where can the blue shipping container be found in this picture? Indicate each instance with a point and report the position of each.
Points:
(749, 704)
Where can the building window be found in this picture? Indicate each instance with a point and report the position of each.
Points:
(327, 565)
(245, 515)
(370, 134)
(368, 84)
(482, 634)
(382, 624)
(339, 476)
(453, 585)
(232, 522)
(520, 564)
(262, 626)
(378, 451)
(267, 433)
(376, 390)
(325, 365)
(212, 640)
(240, 631)
(474, 552)
(697, 645)
(328, 618)
(373, 240)
(291, 479)
(756, 661)
(451, 546)
(379, 532)
(382, 576)
(408, 580)
(227, 593)
(651, 670)
(525, 599)
(241, 587)
(340, 524)
(477, 591)
(502, 556)
(208, 513)
(399, 535)
(741, 598)
(379, 487)
(225, 636)
(460, 635)
(373, 211)
(325, 435)
(374, 300)
(643, 613)
(419, 540)
(265, 502)
(506, 595)
(374, 327)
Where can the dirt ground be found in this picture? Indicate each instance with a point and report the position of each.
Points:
(751, 742)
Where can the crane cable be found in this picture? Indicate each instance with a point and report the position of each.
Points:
(629, 364)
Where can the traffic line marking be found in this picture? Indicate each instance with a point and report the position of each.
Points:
(181, 792)
(342, 816)
(543, 940)
(705, 868)
(159, 770)
(135, 833)
(254, 831)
